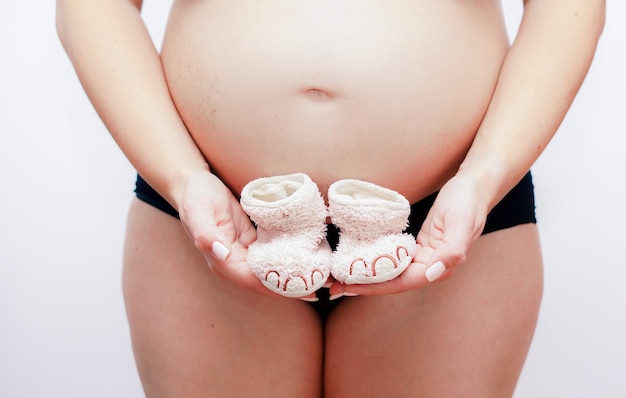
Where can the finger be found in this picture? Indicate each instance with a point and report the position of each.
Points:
(237, 271)
(435, 271)
(206, 235)
(247, 231)
(413, 277)
(450, 253)
(311, 298)
(431, 232)
(239, 274)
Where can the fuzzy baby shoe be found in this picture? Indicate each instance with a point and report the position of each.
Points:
(291, 255)
(372, 247)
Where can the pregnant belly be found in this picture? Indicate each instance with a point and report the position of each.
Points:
(388, 92)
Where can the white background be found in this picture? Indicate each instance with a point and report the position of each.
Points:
(65, 187)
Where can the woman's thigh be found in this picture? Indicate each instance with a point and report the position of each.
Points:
(467, 336)
(196, 335)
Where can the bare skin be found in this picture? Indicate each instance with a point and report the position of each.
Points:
(358, 90)
(417, 96)
(197, 335)
(293, 107)
(465, 337)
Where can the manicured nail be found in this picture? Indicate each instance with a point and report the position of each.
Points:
(435, 271)
(336, 296)
(348, 294)
(309, 299)
(220, 251)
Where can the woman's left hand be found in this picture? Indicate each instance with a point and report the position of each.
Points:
(455, 221)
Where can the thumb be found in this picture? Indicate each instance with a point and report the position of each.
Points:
(451, 252)
(206, 236)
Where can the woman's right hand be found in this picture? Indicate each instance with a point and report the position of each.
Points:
(219, 228)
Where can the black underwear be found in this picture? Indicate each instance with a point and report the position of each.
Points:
(517, 207)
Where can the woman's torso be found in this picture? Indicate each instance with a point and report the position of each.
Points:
(390, 92)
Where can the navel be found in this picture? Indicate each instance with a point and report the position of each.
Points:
(317, 94)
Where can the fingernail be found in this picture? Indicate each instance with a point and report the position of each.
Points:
(336, 296)
(348, 294)
(309, 299)
(435, 271)
(220, 251)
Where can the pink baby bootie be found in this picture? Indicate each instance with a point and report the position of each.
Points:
(372, 247)
(291, 255)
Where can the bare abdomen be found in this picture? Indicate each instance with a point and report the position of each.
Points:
(388, 92)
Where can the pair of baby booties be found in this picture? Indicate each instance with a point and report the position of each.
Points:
(291, 255)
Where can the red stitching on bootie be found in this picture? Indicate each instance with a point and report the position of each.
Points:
(393, 261)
